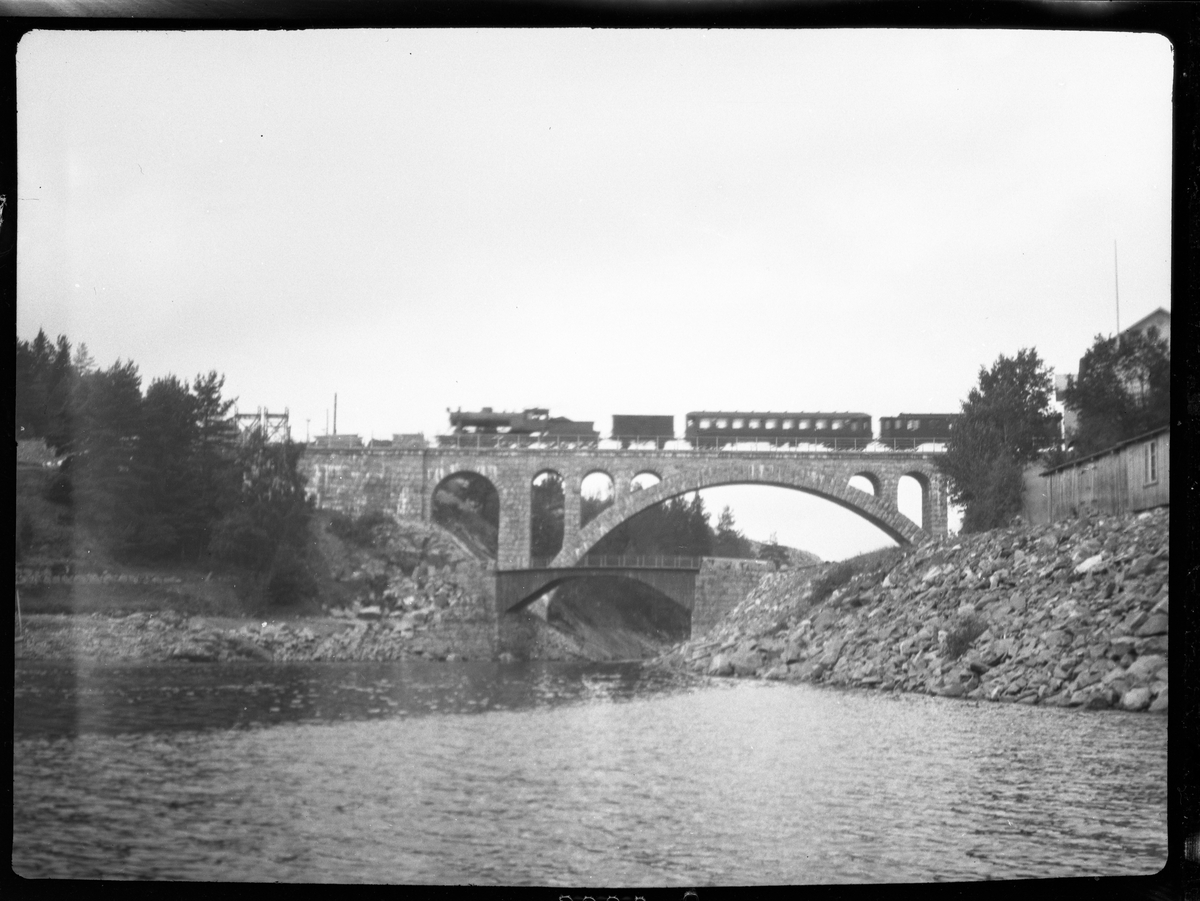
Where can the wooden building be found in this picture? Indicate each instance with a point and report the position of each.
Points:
(1132, 475)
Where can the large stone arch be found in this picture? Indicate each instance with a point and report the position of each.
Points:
(832, 487)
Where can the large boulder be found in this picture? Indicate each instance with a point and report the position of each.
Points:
(720, 665)
(1144, 668)
(1155, 625)
(1160, 703)
(745, 663)
(1136, 698)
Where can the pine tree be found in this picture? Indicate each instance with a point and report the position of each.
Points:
(175, 520)
(108, 480)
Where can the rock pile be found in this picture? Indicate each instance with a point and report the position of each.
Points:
(283, 643)
(1071, 614)
(168, 635)
(410, 586)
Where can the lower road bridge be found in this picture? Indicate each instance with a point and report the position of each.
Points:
(405, 481)
(674, 577)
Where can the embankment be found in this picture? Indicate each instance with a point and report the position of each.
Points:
(1071, 614)
(386, 591)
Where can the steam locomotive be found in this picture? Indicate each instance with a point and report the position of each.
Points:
(490, 429)
(703, 429)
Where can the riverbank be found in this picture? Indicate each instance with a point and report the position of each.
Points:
(169, 636)
(1071, 614)
(385, 590)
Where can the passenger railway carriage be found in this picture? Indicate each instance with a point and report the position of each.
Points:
(722, 429)
(912, 429)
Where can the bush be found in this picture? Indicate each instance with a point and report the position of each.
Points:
(999, 497)
(358, 531)
(290, 580)
(25, 535)
(960, 637)
(59, 487)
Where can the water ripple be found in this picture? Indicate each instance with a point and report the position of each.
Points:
(564, 775)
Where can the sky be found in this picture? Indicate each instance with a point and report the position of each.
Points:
(594, 221)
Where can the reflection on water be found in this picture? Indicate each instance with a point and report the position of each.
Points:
(564, 775)
(56, 699)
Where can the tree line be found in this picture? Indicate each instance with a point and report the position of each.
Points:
(1123, 389)
(162, 475)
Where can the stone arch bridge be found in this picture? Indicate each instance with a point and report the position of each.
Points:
(403, 481)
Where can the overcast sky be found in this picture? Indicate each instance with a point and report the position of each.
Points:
(592, 221)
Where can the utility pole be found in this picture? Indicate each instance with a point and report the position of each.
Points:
(1117, 289)
(335, 413)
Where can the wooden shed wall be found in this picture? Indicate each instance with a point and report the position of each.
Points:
(1118, 482)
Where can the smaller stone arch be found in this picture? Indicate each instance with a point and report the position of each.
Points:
(635, 485)
(467, 503)
(871, 479)
(547, 505)
(597, 492)
(922, 480)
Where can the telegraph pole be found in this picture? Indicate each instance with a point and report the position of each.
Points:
(1117, 289)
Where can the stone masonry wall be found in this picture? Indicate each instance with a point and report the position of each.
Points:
(721, 585)
(402, 483)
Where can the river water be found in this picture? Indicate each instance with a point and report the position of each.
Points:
(563, 775)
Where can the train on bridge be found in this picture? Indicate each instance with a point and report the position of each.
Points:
(534, 427)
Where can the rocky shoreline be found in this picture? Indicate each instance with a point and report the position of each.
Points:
(1071, 614)
(170, 636)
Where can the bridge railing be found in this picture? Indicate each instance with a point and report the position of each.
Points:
(481, 441)
(605, 561)
(624, 561)
(705, 444)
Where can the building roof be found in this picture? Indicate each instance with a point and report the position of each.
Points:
(1108, 450)
(1150, 319)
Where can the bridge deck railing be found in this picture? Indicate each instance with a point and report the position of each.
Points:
(703, 444)
(624, 561)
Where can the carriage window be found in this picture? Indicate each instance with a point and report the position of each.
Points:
(788, 424)
(706, 423)
(821, 425)
(914, 424)
(739, 423)
(722, 423)
(854, 425)
(804, 424)
(837, 424)
(771, 423)
(755, 423)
